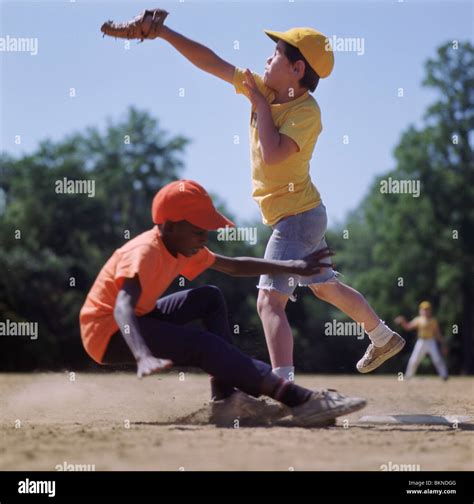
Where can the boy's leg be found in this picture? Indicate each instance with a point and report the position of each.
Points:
(348, 300)
(385, 343)
(192, 347)
(206, 304)
(271, 309)
(275, 290)
(293, 237)
(419, 351)
(187, 346)
(437, 359)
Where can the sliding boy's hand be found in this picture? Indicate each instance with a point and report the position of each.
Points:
(255, 96)
(151, 365)
(311, 264)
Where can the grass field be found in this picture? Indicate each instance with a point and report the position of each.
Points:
(116, 422)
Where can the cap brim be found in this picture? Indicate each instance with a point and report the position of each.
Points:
(276, 36)
(210, 221)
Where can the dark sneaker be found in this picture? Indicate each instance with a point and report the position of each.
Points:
(322, 408)
(375, 356)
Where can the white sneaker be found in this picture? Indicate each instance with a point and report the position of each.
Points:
(322, 408)
(376, 356)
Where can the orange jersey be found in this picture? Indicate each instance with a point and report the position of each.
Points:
(147, 257)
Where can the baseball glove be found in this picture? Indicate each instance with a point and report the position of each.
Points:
(145, 26)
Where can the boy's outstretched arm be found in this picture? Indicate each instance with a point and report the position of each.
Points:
(199, 55)
(251, 266)
(407, 326)
(124, 314)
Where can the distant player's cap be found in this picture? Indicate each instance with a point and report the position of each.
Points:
(313, 45)
(425, 305)
(189, 201)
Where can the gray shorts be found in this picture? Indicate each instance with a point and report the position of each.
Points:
(295, 237)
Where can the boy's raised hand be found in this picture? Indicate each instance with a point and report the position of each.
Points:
(254, 94)
(311, 264)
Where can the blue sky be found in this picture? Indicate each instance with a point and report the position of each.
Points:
(359, 99)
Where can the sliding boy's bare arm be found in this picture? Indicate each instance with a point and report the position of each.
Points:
(252, 266)
(124, 314)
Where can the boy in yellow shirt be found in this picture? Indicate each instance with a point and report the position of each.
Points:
(285, 124)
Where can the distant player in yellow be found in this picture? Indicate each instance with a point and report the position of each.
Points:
(429, 333)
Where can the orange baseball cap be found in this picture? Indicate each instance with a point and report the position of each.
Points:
(189, 201)
(313, 45)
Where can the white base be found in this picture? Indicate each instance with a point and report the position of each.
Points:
(414, 419)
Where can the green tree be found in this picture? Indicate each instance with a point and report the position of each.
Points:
(54, 244)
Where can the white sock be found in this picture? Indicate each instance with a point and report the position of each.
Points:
(380, 335)
(286, 372)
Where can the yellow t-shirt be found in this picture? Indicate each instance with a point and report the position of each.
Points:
(285, 188)
(426, 327)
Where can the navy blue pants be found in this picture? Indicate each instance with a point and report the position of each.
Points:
(209, 348)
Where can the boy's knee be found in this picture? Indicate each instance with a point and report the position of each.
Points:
(270, 301)
(319, 290)
(212, 294)
(325, 290)
(211, 291)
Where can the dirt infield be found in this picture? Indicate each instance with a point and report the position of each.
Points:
(116, 422)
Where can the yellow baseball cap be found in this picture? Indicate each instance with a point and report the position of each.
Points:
(313, 45)
(425, 305)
